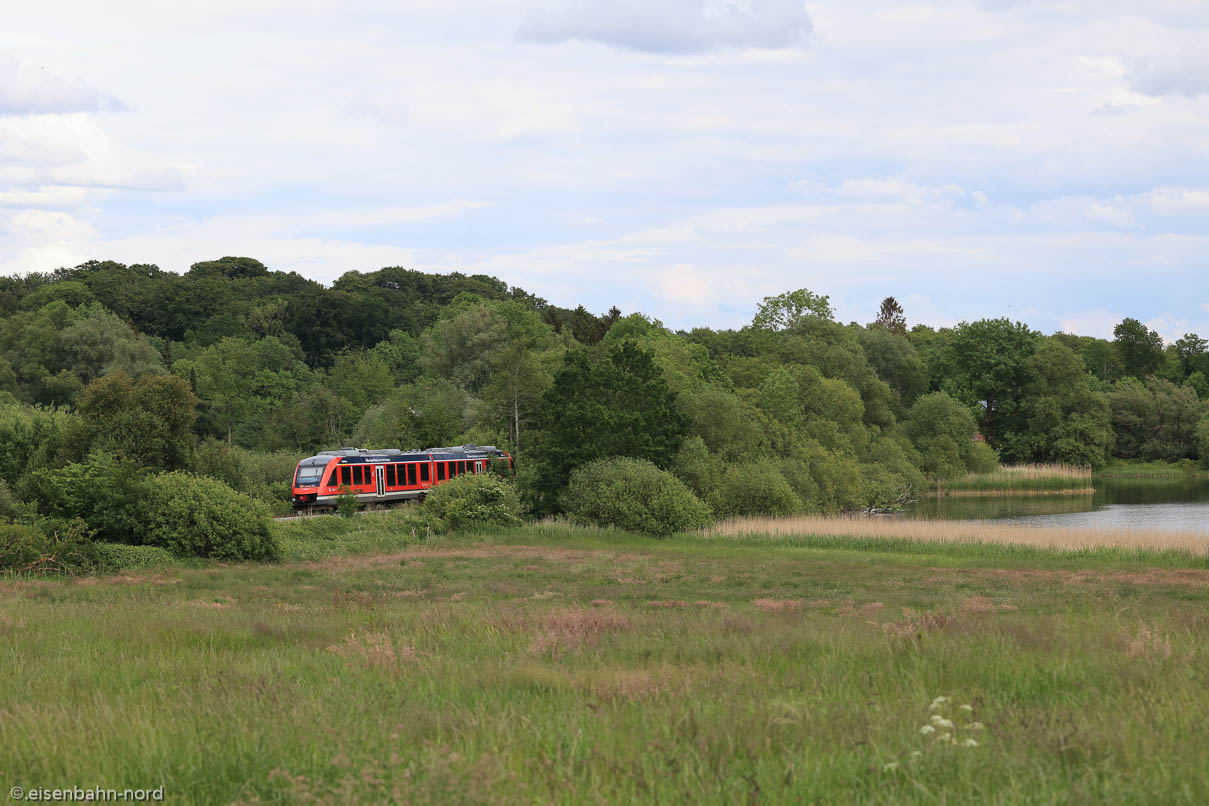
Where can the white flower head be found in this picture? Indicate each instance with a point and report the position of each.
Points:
(938, 702)
(969, 709)
(940, 722)
(937, 719)
(969, 743)
(945, 737)
(890, 767)
(926, 729)
(915, 755)
(975, 726)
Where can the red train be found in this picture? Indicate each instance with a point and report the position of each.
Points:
(385, 476)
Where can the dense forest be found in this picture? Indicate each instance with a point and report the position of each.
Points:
(113, 374)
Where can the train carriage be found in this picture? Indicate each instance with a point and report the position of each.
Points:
(385, 476)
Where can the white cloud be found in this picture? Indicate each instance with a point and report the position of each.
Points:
(74, 150)
(29, 90)
(671, 26)
(1179, 70)
(1113, 214)
(1169, 326)
(48, 225)
(1098, 322)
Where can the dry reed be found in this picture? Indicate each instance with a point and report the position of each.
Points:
(1025, 479)
(1050, 537)
(1044, 471)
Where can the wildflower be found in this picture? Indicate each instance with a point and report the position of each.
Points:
(940, 722)
(975, 726)
(945, 737)
(926, 729)
(969, 709)
(969, 743)
(938, 702)
(890, 767)
(915, 755)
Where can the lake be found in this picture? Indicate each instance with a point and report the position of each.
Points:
(1180, 504)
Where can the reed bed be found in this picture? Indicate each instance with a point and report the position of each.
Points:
(1022, 479)
(966, 532)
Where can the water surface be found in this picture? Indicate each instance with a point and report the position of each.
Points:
(1180, 504)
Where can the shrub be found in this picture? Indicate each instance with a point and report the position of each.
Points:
(116, 556)
(346, 502)
(756, 488)
(30, 437)
(266, 477)
(103, 490)
(10, 507)
(474, 500)
(218, 460)
(52, 547)
(194, 516)
(635, 495)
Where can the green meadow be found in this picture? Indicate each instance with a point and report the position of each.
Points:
(558, 665)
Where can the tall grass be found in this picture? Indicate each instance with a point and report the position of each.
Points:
(644, 672)
(1022, 479)
(987, 532)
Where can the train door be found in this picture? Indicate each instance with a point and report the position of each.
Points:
(380, 473)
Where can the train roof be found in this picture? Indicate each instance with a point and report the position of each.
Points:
(358, 455)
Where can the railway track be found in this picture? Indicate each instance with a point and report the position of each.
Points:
(320, 513)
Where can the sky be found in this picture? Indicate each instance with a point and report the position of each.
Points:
(1044, 160)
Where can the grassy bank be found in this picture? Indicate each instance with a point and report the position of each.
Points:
(1020, 479)
(1136, 468)
(575, 666)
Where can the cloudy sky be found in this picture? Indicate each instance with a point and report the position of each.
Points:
(1047, 160)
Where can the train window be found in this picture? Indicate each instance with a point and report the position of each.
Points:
(332, 479)
(390, 476)
(411, 475)
(424, 473)
(440, 471)
(359, 474)
(461, 467)
(346, 475)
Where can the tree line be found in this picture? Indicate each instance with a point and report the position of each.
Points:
(233, 371)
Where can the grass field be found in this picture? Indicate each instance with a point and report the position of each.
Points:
(566, 666)
(1021, 479)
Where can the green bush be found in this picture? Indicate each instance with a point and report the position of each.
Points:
(116, 556)
(194, 516)
(634, 495)
(10, 507)
(104, 491)
(218, 460)
(267, 477)
(756, 488)
(346, 502)
(30, 436)
(52, 547)
(474, 500)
